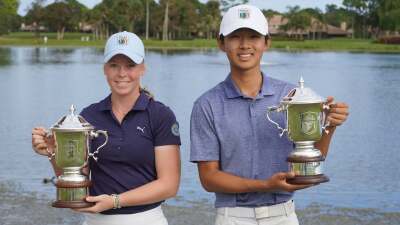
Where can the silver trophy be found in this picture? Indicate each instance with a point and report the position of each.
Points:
(72, 135)
(305, 121)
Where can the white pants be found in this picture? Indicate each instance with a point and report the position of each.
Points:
(280, 214)
(150, 217)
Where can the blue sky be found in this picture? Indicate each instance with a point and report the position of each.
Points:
(279, 5)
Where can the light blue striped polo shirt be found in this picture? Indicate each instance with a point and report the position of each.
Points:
(231, 128)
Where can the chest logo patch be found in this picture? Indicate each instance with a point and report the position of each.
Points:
(175, 129)
(141, 129)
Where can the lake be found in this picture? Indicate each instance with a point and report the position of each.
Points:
(38, 85)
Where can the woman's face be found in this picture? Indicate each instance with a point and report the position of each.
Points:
(123, 75)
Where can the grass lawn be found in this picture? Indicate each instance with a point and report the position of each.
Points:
(74, 40)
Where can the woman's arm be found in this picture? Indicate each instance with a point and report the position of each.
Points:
(165, 186)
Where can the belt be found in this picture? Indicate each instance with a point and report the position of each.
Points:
(286, 208)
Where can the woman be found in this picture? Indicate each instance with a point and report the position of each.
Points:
(140, 165)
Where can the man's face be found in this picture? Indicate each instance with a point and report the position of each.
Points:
(244, 48)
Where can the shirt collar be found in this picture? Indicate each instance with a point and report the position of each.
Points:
(140, 105)
(232, 91)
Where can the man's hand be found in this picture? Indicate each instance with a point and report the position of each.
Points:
(278, 182)
(337, 113)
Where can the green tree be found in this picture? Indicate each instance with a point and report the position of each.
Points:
(62, 15)
(317, 21)
(335, 16)
(35, 15)
(184, 17)
(389, 15)
(100, 18)
(298, 21)
(180, 18)
(209, 19)
(269, 13)
(364, 15)
(8, 14)
(226, 4)
(125, 13)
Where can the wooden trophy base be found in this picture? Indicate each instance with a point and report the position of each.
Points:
(313, 179)
(72, 194)
(72, 204)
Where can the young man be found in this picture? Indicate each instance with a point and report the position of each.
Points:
(239, 154)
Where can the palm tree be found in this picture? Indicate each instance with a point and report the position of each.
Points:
(165, 24)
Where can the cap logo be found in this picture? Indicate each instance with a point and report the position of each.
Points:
(123, 40)
(244, 13)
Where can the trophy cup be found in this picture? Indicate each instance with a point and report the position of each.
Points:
(305, 120)
(72, 135)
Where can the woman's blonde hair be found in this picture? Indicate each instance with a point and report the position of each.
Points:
(146, 91)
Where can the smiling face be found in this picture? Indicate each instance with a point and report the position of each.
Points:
(244, 48)
(123, 75)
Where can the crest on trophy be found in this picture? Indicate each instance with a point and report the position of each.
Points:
(309, 121)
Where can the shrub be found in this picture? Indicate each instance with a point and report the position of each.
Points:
(389, 40)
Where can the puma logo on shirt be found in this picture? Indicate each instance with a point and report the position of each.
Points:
(141, 129)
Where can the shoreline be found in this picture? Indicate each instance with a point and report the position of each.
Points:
(327, 45)
(22, 207)
(153, 48)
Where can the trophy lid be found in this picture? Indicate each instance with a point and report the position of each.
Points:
(72, 123)
(302, 95)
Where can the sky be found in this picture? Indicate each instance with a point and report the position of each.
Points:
(278, 5)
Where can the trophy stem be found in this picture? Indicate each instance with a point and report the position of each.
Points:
(307, 163)
(304, 146)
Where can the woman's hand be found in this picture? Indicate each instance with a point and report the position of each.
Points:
(41, 143)
(102, 203)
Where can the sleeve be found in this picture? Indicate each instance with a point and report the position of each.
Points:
(204, 144)
(167, 129)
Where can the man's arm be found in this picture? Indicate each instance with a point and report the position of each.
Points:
(215, 180)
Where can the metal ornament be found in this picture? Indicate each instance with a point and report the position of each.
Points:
(305, 120)
(72, 135)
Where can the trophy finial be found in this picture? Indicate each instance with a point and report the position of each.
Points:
(72, 109)
(301, 82)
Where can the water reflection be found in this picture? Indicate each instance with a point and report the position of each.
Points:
(5, 56)
(51, 55)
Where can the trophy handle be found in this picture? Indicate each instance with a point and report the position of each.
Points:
(276, 109)
(95, 134)
(324, 122)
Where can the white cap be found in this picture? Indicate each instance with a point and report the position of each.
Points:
(243, 16)
(125, 43)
